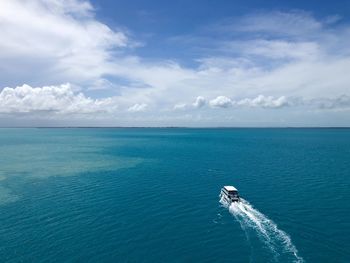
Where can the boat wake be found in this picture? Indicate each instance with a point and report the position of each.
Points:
(254, 222)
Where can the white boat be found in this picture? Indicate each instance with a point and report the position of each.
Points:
(229, 194)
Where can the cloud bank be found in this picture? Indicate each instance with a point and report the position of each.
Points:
(51, 99)
(264, 102)
(64, 100)
(283, 61)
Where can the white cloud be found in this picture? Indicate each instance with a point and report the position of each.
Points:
(51, 99)
(138, 107)
(180, 106)
(264, 102)
(221, 102)
(284, 55)
(278, 49)
(61, 39)
(292, 23)
(63, 100)
(199, 102)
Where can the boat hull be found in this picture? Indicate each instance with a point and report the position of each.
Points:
(229, 199)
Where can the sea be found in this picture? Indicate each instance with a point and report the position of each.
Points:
(152, 195)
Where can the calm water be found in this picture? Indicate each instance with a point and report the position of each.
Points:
(151, 195)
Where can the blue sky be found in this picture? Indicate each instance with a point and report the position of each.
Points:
(174, 63)
(157, 23)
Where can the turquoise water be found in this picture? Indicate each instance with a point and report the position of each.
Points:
(151, 195)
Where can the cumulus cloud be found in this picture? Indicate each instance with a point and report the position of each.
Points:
(55, 99)
(138, 107)
(221, 102)
(199, 102)
(264, 102)
(260, 101)
(64, 100)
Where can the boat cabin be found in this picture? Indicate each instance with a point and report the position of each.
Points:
(230, 193)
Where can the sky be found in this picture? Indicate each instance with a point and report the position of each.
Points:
(174, 63)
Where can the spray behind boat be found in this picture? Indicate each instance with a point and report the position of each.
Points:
(276, 240)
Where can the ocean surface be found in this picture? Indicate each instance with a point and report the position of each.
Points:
(152, 195)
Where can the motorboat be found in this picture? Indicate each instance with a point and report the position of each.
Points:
(229, 194)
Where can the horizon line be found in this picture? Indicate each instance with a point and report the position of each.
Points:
(175, 127)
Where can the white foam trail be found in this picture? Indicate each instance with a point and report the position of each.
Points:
(277, 240)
